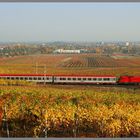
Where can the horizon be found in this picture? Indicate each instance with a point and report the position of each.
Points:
(69, 22)
(47, 42)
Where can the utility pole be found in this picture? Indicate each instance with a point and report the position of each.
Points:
(44, 74)
(36, 68)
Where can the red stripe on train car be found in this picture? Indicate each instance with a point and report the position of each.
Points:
(25, 75)
(85, 75)
(63, 75)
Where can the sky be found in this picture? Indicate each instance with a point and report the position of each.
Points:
(69, 22)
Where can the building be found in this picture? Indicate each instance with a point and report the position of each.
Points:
(66, 51)
(127, 44)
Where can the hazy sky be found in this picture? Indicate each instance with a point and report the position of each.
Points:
(69, 21)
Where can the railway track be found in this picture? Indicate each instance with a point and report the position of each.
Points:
(92, 85)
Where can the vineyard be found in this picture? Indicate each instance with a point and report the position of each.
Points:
(100, 61)
(30, 110)
(53, 111)
(71, 64)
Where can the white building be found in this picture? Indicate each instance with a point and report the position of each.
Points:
(66, 51)
(127, 43)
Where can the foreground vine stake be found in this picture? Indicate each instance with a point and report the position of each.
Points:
(5, 122)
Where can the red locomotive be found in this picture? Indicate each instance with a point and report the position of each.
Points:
(129, 80)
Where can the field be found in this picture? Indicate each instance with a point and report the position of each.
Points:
(71, 64)
(67, 111)
(30, 110)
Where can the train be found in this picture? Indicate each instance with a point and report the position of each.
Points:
(74, 79)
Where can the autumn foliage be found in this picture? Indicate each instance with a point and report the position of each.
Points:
(71, 112)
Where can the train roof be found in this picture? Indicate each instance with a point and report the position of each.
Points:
(65, 75)
(70, 75)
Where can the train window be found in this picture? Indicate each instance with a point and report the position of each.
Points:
(84, 78)
(79, 78)
(99, 79)
(26, 78)
(35, 78)
(17, 78)
(62, 78)
(12, 78)
(89, 79)
(94, 79)
(30, 78)
(106, 79)
(7, 77)
(69, 78)
(74, 78)
(113, 79)
(21, 78)
(47, 78)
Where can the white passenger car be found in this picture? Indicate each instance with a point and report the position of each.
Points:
(82, 79)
